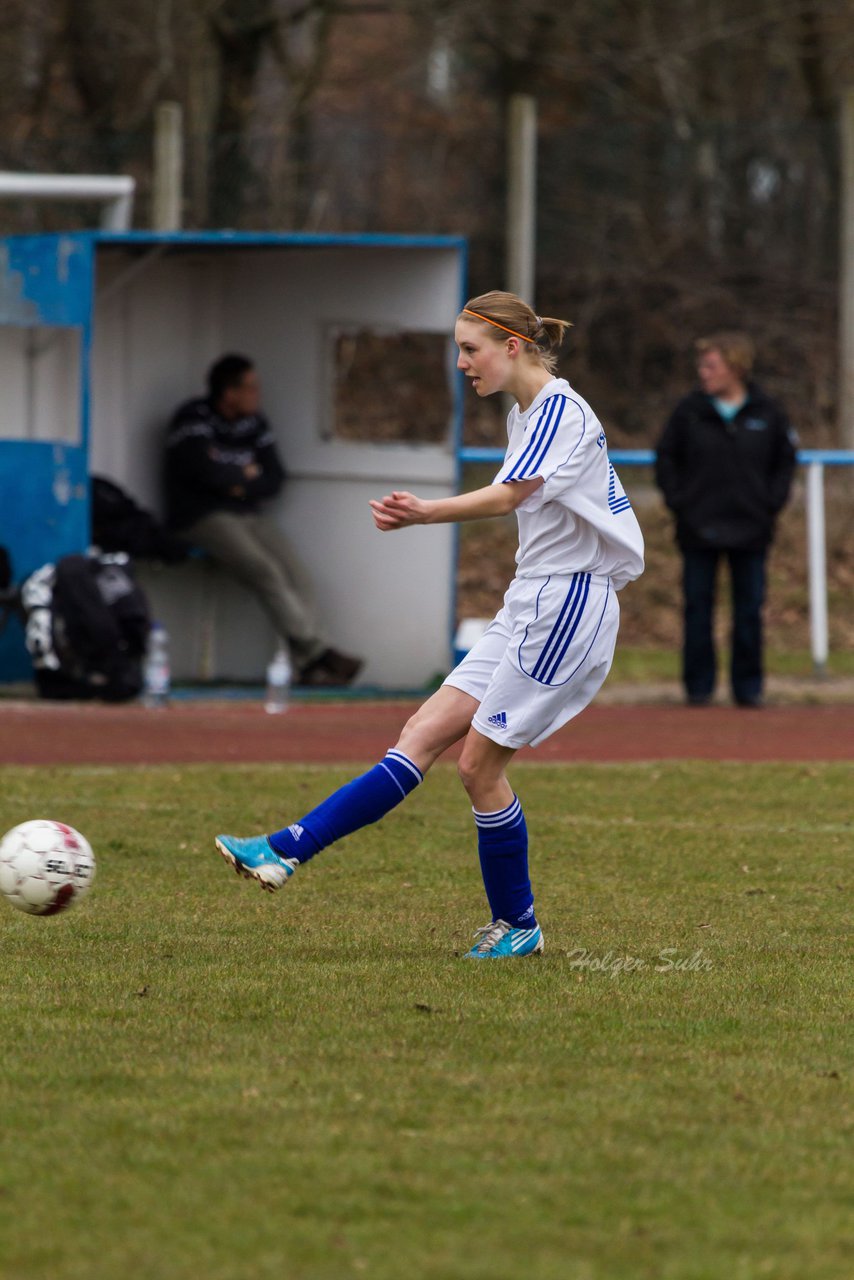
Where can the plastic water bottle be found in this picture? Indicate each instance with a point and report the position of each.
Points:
(156, 673)
(278, 690)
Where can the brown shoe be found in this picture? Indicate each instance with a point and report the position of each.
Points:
(330, 670)
(341, 665)
(316, 676)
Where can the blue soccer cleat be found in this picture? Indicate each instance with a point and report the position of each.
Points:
(501, 939)
(255, 858)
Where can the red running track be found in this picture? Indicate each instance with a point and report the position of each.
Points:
(41, 733)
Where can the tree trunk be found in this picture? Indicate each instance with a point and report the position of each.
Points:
(240, 44)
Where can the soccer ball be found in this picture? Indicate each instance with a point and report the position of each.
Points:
(45, 866)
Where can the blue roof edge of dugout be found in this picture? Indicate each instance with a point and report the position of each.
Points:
(250, 239)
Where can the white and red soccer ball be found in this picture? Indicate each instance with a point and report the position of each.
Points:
(45, 866)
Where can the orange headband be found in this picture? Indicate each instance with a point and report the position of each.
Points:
(487, 320)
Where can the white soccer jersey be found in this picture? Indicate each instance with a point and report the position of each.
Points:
(579, 519)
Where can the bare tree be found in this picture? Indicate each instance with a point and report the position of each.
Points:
(119, 63)
(293, 35)
(688, 147)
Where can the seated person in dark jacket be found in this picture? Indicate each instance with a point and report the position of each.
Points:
(221, 462)
(725, 465)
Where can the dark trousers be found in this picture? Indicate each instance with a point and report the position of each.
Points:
(747, 577)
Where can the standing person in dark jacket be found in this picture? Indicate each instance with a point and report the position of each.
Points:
(725, 464)
(221, 462)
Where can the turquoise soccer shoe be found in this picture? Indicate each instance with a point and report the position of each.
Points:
(501, 939)
(255, 858)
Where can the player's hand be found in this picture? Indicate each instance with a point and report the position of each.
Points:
(398, 510)
(251, 470)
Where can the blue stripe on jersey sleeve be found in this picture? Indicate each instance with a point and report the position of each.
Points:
(573, 450)
(534, 467)
(549, 414)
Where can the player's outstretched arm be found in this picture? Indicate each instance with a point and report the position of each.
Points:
(401, 509)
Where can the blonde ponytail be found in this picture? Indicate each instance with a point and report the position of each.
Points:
(542, 335)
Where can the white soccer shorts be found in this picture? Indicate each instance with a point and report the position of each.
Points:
(542, 659)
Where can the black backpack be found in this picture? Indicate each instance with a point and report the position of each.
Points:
(120, 524)
(86, 628)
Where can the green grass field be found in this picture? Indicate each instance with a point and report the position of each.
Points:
(199, 1080)
(638, 666)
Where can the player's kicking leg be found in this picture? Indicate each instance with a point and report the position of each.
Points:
(272, 859)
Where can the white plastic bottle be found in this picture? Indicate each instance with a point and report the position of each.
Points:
(156, 673)
(278, 692)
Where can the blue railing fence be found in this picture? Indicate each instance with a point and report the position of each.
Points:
(815, 461)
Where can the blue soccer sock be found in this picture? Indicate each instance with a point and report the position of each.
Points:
(364, 800)
(502, 843)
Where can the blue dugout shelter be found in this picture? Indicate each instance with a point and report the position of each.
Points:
(102, 334)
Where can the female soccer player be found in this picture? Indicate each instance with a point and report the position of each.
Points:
(547, 651)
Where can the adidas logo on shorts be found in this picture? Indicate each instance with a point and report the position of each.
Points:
(499, 720)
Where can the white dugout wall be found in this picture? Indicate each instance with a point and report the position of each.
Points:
(162, 314)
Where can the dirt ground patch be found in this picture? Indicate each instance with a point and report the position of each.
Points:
(40, 733)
